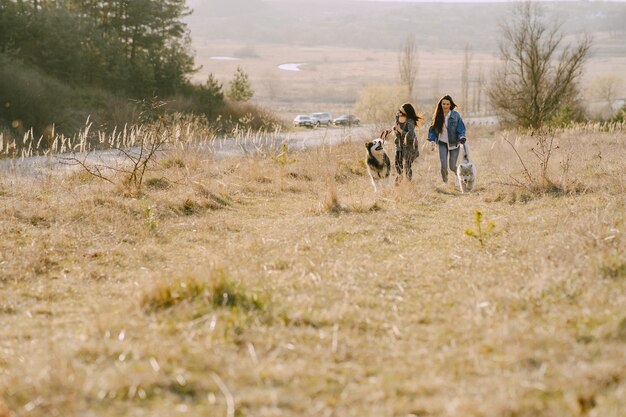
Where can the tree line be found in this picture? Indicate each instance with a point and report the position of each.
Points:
(64, 60)
(136, 47)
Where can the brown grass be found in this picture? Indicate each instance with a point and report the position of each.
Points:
(338, 302)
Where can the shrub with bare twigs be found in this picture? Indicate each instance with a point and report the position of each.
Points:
(536, 177)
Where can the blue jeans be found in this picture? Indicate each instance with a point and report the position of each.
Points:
(444, 154)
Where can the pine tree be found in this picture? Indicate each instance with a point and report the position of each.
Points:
(213, 88)
(240, 89)
(211, 96)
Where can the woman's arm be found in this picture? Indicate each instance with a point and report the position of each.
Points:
(432, 135)
(460, 130)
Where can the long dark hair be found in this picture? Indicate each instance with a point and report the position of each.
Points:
(438, 117)
(409, 110)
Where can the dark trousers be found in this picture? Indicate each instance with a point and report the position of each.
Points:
(404, 161)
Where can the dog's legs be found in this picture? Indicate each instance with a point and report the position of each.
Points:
(374, 184)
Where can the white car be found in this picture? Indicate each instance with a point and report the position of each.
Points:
(322, 118)
(304, 120)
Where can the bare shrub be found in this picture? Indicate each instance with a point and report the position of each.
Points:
(536, 176)
(237, 116)
(150, 138)
(408, 65)
(534, 83)
(605, 88)
(378, 103)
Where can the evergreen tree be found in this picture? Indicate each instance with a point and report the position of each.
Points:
(136, 47)
(213, 89)
(84, 50)
(240, 89)
(211, 97)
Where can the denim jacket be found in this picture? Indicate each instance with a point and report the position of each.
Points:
(456, 129)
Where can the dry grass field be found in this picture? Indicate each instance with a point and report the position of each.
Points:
(282, 286)
(332, 78)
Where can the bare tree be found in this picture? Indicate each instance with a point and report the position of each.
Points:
(605, 88)
(436, 83)
(479, 86)
(467, 58)
(408, 64)
(533, 83)
(616, 23)
(272, 83)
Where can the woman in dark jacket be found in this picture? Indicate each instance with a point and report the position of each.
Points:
(407, 149)
(448, 131)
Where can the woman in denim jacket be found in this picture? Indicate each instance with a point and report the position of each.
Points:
(407, 146)
(448, 131)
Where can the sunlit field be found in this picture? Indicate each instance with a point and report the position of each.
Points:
(332, 79)
(279, 284)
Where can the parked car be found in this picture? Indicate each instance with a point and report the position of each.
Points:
(322, 118)
(347, 120)
(304, 120)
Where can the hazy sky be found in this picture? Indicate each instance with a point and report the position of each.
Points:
(482, 1)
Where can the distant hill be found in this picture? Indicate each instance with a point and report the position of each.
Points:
(383, 25)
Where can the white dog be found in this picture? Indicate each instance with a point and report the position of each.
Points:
(466, 172)
(378, 162)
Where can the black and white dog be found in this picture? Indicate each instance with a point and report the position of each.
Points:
(466, 172)
(378, 162)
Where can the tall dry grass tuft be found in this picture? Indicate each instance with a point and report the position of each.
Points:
(168, 294)
(217, 290)
(330, 203)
